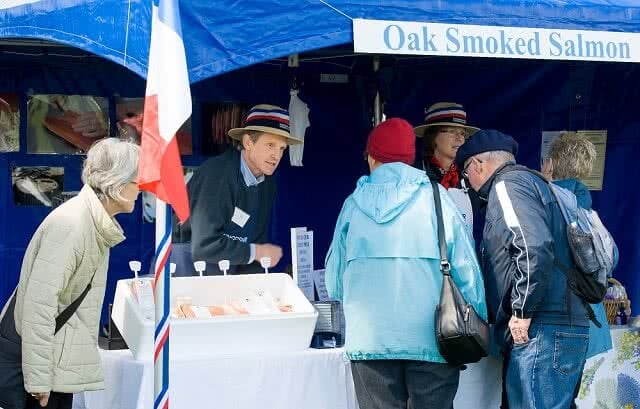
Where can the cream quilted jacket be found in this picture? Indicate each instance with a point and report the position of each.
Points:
(70, 245)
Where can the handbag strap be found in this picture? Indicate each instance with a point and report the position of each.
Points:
(66, 314)
(7, 324)
(445, 267)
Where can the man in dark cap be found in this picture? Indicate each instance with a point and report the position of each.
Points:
(540, 324)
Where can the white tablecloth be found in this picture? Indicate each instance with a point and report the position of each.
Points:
(310, 379)
(321, 379)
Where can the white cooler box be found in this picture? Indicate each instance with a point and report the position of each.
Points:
(222, 334)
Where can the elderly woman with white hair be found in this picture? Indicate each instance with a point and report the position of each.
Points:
(571, 158)
(67, 260)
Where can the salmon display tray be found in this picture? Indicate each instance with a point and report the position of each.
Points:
(288, 329)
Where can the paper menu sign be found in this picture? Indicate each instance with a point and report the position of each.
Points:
(145, 298)
(321, 288)
(302, 260)
(598, 138)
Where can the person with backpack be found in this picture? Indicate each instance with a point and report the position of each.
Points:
(571, 158)
(540, 322)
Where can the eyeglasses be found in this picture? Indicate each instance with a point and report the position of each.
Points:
(464, 171)
(453, 132)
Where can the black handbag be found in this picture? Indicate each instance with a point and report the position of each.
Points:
(12, 393)
(462, 335)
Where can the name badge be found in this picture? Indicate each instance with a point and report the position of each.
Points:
(240, 217)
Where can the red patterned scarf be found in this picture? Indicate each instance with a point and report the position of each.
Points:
(451, 177)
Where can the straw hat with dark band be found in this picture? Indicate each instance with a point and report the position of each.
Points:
(445, 114)
(269, 119)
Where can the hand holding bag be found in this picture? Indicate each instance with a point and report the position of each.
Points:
(462, 335)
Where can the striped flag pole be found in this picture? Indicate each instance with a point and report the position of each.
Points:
(167, 105)
(162, 305)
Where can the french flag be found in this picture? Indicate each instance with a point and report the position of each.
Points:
(167, 106)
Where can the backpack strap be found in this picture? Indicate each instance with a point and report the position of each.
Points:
(570, 273)
(566, 217)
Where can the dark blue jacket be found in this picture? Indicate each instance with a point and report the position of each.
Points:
(523, 233)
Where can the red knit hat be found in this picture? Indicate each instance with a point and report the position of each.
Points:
(392, 141)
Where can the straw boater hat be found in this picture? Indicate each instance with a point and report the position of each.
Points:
(269, 119)
(445, 114)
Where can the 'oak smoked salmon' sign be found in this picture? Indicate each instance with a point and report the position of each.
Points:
(404, 37)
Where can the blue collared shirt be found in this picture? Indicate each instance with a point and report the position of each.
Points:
(250, 180)
(249, 177)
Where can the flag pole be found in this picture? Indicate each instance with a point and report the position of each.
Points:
(167, 106)
(162, 305)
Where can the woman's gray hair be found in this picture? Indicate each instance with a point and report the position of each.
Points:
(111, 165)
(572, 156)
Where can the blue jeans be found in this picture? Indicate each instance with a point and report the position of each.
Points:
(543, 373)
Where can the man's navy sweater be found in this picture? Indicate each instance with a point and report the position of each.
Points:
(217, 191)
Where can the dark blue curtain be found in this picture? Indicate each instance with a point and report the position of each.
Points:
(518, 97)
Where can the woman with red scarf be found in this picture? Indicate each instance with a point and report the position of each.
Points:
(445, 130)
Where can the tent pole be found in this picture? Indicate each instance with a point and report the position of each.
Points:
(377, 103)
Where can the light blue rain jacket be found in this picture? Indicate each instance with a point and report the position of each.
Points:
(384, 265)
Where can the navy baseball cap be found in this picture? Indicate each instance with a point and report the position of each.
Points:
(486, 140)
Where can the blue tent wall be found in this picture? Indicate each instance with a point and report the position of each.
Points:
(91, 76)
(47, 74)
(519, 97)
(523, 98)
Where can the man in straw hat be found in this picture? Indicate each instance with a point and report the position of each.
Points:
(444, 131)
(231, 197)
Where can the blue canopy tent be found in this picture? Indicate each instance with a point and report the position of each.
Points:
(222, 36)
(225, 41)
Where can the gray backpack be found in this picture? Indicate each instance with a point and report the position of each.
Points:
(592, 247)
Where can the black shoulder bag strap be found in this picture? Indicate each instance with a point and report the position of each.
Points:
(445, 267)
(68, 312)
(61, 319)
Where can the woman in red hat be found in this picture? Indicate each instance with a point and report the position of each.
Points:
(384, 266)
